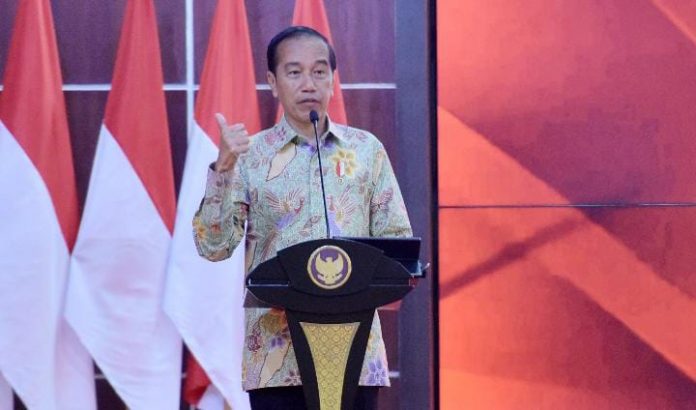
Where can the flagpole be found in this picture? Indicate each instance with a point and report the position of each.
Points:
(190, 81)
(190, 70)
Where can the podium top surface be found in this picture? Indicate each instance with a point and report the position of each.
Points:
(405, 250)
(393, 247)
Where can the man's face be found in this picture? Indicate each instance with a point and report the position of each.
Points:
(303, 80)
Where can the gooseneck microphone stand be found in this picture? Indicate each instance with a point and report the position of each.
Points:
(314, 118)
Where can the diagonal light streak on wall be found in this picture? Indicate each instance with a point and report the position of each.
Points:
(680, 13)
(586, 255)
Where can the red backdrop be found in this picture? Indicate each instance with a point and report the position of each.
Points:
(567, 204)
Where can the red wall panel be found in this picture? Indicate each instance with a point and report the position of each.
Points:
(567, 205)
(544, 308)
(595, 98)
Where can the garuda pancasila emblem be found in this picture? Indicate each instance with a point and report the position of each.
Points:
(329, 267)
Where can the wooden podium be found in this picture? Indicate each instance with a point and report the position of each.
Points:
(330, 289)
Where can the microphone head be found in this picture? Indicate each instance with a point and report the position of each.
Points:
(313, 116)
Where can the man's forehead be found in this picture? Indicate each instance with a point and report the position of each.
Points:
(303, 49)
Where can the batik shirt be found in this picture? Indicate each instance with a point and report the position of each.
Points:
(275, 191)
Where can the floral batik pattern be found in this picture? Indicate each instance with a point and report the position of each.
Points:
(275, 191)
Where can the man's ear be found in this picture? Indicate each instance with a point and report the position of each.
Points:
(270, 77)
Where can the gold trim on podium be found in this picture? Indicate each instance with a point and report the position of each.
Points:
(330, 345)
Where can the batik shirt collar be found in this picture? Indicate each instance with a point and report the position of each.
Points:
(291, 135)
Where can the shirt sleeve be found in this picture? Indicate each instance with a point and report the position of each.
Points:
(388, 216)
(218, 225)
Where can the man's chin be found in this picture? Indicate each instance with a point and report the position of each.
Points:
(304, 110)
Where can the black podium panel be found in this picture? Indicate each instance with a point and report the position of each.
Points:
(285, 281)
(330, 289)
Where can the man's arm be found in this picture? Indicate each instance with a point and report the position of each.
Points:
(218, 225)
(388, 216)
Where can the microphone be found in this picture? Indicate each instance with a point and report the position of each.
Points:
(314, 118)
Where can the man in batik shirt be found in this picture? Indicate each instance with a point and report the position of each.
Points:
(271, 183)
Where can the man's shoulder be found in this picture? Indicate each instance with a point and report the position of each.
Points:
(269, 138)
(356, 135)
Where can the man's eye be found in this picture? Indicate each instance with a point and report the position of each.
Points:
(294, 73)
(320, 72)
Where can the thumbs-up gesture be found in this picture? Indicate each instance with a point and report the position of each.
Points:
(234, 141)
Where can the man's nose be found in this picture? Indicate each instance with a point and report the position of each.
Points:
(308, 83)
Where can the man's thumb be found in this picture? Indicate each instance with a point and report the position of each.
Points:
(222, 122)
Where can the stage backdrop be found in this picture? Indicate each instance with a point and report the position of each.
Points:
(365, 43)
(567, 204)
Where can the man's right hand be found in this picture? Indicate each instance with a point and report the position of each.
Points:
(234, 141)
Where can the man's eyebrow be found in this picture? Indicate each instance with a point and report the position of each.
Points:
(294, 64)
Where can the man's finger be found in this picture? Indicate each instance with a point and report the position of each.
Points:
(229, 141)
(222, 122)
(239, 141)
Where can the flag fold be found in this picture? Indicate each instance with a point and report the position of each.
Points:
(118, 266)
(204, 299)
(40, 356)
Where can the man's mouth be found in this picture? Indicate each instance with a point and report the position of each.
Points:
(309, 101)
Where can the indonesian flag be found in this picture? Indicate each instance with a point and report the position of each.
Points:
(204, 299)
(311, 13)
(119, 262)
(40, 356)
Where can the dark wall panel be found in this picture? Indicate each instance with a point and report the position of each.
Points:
(88, 34)
(9, 9)
(415, 159)
(178, 126)
(85, 114)
(362, 30)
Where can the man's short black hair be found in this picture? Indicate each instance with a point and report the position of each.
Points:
(295, 32)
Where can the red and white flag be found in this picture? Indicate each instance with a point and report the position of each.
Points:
(311, 13)
(118, 267)
(40, 356)
(204, 299)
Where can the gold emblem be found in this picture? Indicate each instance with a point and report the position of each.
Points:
(329, 267)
